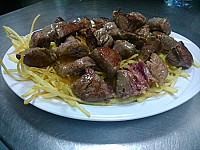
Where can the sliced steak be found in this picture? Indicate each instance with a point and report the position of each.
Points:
(74, 68)
(108, 59)
(152, 45)
(38, 57)
(132, 80)
(157, 68)
(124, 48)
(72, 47)
(103, 38)
(129, 22)
(91, 87)
(167, 42)
(160, 24)
(180, 56)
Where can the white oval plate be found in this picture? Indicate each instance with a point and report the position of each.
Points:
(187, 88)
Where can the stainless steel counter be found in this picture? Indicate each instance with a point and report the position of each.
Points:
(27, 127)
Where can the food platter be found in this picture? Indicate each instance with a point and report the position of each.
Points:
(187, 88)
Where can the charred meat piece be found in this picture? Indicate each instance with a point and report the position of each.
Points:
(112, 29)
(38, 57)
(132, 80)
(157, 68)
(124, 48)
(39, 39)
(86, 22)
(62, 30)
(91, 87)
(103, 38)
(144, 31)
(88, 35)
(72, 47)
(59, 19)
(100, 22)
(160, 24)
(138, 38)
(167, 42)
(56, 32)
(108, 59)
(75, 67)
(131, 37)
(180, 56)
(152, 45)
(129, 22)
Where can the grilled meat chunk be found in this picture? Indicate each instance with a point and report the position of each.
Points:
(132, 80)
(38, 57)
(56, 32)
(72, 47)
(143, 31)
(138, 38)
(124, 48)
(160, 24)
(74, 68)
(100, 22)
(128, 22)
(180, 56)
(108, 59)
(112, 29)
(152, 45)
(91, 87)
(88, 35)
(157, 68)
(167, 42)
(39, 39)
(103, 38)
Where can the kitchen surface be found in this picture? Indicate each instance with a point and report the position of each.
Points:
(28, 127)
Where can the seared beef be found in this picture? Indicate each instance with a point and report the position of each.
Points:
(39, 39)
(88, 35)
(75, 67)
(138, 38)
(124, 48)
(157, 68)
(108, 59)
(100, 22)
(152, 45)
(72, 47)
(160, 24)
(132, 80)
(86, 22)
(167, 42)
(144, 31)
(112, 29)
(38, 57)
(129, 22)
(56, 32)
(67, 29)
(103, 38)
(91, 87)
(180, 56)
